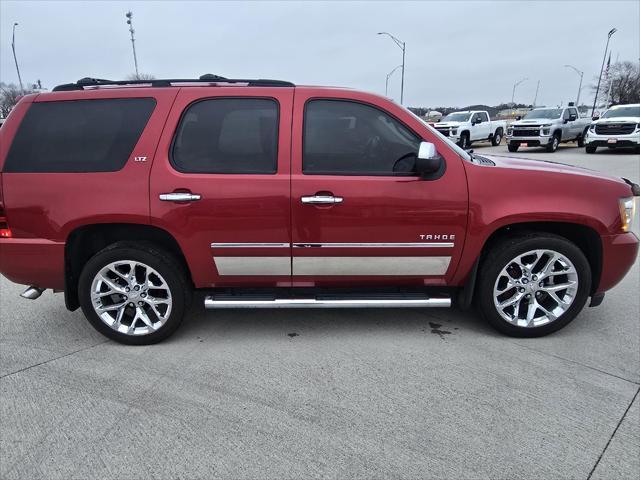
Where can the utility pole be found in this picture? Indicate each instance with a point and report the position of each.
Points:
(386, 85)
(595, 99)
(402, 46)
(129, 16)
(536, 97)
(581, 73)
(513, 93)
(15, 59)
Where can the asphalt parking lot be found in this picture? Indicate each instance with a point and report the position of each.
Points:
(325, 393)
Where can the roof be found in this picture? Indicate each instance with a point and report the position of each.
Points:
(205, 80)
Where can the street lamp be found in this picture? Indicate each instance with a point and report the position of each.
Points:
(513, 93)
(595, 99)
(386, 84)
(400, 44)
(129, 16)
(15, 59)
(580, 86)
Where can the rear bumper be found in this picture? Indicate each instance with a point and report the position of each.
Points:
(29, 261)
(619, 253)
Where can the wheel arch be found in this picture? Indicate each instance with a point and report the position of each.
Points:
(585, 237)
(87, 240)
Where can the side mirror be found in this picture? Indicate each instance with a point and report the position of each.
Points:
(429, 165)
(518, 117)
(595, 117)
(573, 118)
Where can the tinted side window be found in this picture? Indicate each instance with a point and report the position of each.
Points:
(566, 114)
(483, 116)
(348, 138)
(78, 136)
(228, 135)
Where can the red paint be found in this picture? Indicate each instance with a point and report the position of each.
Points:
(469, 201)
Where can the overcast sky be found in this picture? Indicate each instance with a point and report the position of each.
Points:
(457, 53)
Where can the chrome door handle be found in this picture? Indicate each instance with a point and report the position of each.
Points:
(321, 199)
(179, 197)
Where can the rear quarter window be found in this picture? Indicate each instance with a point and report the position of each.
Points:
(78, 135)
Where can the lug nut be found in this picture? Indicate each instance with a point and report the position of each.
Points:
(136, 288)
(521, 290)
(527, 296)
(131, 304)
(535, 277)
(525, 281)
(127, 289)
(140, 303)
(541, 284)
(143, 295)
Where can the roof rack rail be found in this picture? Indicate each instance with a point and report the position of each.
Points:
(89, 82)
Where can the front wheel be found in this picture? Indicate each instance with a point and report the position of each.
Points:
(552, 146)
(134, 293)
(464, 141)
(582, 137)
(533, 285)
(513, 147)
(590, 149)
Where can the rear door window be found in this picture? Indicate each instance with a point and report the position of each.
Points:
(228, 135)
(95, 135)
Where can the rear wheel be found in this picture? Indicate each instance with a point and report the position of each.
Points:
(533, 285)
(590, 148)
(497, 138)
(134, 293)
(552, 146)
(513, 147)
(582, 137)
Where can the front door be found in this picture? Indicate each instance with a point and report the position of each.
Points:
(220, 184)
(360, 216)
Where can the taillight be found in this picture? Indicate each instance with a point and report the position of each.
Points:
(5, 232)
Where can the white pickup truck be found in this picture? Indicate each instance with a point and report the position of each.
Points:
(619, 127)
(471, 126)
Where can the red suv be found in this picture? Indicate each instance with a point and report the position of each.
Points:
(127, 196)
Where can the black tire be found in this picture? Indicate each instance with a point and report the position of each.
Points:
(513, 147)
(582, 137)
(160, 260)
(552, 146)
(464, 141)
(590, 149)
(497, 138)
(506, 250)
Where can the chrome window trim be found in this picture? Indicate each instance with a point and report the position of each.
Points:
(250, 245)
(375, 245)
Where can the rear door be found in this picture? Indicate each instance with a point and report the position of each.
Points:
(360, 216)
(220, 184)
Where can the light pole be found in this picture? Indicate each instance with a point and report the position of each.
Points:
(400, 44)
(129, 16)
(580, 86)
(595, 99)
(386, 84)
(15, 59)
(513, 93)
(535, 99)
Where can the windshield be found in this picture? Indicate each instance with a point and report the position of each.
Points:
(544, 113)
(629, 111)
(457, 117)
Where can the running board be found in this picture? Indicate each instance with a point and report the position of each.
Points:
(413, 301)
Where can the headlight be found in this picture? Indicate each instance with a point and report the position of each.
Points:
(592, 127)
(638, 126)
(545, 131)
(509, 131)
(627, 212)
(454, 131)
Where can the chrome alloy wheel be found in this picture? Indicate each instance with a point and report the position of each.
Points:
(535, 288)
(131, 297)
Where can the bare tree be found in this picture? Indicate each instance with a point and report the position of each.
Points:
(9, 96)
(141, 76)
(623, 81)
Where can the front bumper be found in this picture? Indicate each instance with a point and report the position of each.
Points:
(630, 140)
(619, 253)
(530, 141)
